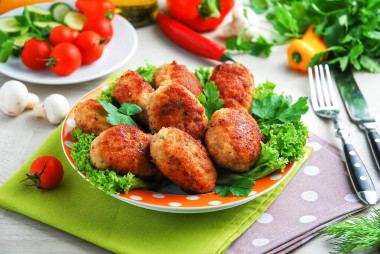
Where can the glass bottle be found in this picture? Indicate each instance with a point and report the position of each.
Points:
(138, 12)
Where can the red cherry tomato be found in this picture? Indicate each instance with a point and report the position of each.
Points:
(46, 172)
(100, 25)
(61, 34)
(90, 45)
(65, 58)
(94, 8)
(35, 54)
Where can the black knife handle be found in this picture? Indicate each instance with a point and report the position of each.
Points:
(359, 175)
(374, 142)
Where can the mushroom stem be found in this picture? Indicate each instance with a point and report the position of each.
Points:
(32, 101)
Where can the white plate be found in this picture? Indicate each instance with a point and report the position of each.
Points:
(116, 53)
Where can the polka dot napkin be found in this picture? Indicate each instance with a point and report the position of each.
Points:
(318, 195)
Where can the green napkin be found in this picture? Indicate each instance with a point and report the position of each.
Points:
(77, 208)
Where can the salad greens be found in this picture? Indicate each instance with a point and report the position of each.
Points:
(147, 72)
(350, 29)
(285, 134)
(106, 180)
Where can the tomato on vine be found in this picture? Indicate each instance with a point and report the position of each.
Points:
(65, 58)
(46, 172)
(35, 54)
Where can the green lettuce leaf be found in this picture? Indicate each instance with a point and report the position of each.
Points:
(107, 180)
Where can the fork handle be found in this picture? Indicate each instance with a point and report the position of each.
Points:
(373, 140)
(360, 178)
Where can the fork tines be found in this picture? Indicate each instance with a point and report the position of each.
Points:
(321, 88)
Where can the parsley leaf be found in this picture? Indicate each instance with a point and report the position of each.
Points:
(269, 108)
(240, 187)
(120, 115)
(203, 74)
(210, 99)
(147, 72)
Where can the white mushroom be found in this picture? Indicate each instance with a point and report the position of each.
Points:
(243, 18)
(14, 98)
(54, 108)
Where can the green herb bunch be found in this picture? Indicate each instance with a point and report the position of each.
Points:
(350, 29)
(359, 233)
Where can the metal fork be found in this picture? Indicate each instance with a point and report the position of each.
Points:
(325, 104)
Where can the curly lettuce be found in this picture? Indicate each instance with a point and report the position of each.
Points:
(107, 180)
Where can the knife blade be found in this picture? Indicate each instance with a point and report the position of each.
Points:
(358, 110)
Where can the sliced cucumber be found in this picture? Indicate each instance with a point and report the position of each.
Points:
(42, 24)
(20, 40)
(58, 11)
(11, 27)
(19, 43)
(74, 19)
(37, 13)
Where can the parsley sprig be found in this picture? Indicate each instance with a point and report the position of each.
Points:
(209, 99)
(120, 115)
(350, 29)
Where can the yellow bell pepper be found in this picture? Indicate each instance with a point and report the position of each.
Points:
(300, 51)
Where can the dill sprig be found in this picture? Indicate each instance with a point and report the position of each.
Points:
(359, 233)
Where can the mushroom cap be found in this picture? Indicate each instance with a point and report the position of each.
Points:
(13, 97)
(56, 107)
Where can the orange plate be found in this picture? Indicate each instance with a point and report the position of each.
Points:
(171, 198)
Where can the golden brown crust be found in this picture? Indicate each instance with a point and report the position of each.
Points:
(124, 148)
(172, 73)
(132, 88)
(183, 160)
(174, 106)
(233, 139)
(90, 117)
(235, 84)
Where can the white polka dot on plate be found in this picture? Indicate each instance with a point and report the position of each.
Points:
(175, 204)
(216, 202)
(71, 123)
(192, 197)
(307, 218)
(309, 195)
(158, 195)
(136, 197)
(311, 170)
(316, 146)
(260, 242)
(351, 198)
(68, 143)
(275, 177)
(265, 218)
(105, 88)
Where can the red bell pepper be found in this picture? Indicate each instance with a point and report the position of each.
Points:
(190, 40)
(200, 15)
(95, 8)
